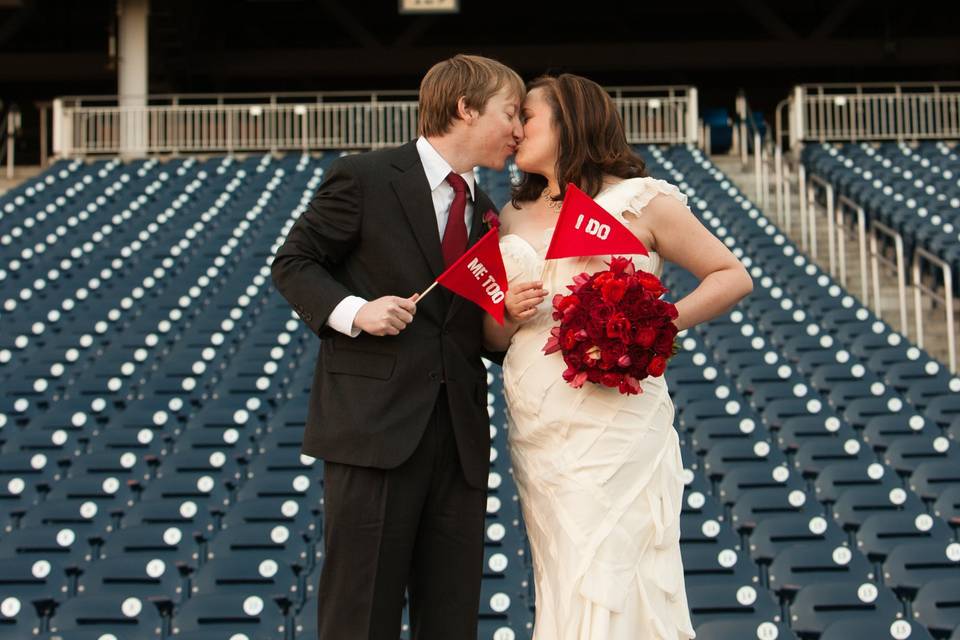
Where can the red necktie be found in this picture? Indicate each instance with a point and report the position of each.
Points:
(454, 241)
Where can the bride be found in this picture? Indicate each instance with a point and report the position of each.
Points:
(598, 473)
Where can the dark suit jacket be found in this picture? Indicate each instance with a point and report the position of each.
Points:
(371, 230)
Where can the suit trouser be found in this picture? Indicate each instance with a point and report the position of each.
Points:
(416, 528)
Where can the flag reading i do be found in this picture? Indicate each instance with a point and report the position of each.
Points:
(584, 228)
(479, 276)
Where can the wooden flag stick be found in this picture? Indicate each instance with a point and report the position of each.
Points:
(429, 289)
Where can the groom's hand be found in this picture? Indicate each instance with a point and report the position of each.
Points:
(386, 316)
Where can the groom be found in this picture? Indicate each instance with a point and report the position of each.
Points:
(398, 407)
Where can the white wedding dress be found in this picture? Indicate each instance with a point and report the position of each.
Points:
(599, 473)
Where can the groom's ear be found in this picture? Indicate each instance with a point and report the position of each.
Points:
(464, 112)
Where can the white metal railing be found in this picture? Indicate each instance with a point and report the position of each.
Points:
(868, 112)
(945, 297)
(212, 123)
(903, 111)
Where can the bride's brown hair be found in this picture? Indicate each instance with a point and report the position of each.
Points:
(592, 141)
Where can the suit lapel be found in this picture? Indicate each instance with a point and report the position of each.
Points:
(413, 191)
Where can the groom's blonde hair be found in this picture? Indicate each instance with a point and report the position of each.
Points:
(474, 78)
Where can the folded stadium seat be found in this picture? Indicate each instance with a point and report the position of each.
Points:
(689, 385)
(904, 375)
(172, 544)
(777, 413)
(801, 429)
(299, 515)
(726, 456)
(57, 544)
(767, 394)
(741, 629)
(95, 615)
(937, 606)
(761, 378)
(773, 535)
(508, 540)
(499, 599)
(303, 485)
(876, 628)
(737, 361)
(252, 543)
(184, 514)
(31, 581)
(869, 337)
(227, 441)
(882, 431)
(795, 347)
(268, 578)
(881, 532)
(922, 392)
(727, 429)
(816, 563)
(221, 417)
(944, 410)
(816, 606)
(705, 565)
(89, 517)
(910, 565)
(814, 456)
(229, 616)
(859, 412)
(756, 505)
(129, 467)
(198, 463)
(931, 479)
(732, 601)
(905, 455)
(740, 481)
(837, 477)
(855, 504)
(809, 361)
(161, 415)
(150, 580)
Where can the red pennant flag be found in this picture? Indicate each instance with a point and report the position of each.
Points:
(584, 228)
(479, 275)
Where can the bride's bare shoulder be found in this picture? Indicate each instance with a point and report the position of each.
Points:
(508, 215)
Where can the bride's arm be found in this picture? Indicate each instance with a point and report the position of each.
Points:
(521, 301)
(679, 237)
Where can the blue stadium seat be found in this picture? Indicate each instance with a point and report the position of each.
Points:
(224, 616)
(935, 606)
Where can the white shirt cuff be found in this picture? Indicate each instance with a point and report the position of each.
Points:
(342, 317)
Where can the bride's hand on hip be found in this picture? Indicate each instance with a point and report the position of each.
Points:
(523, 300)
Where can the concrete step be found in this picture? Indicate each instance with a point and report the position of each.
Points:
(20, 174)
(935, 330)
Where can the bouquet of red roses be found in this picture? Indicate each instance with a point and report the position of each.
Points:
(614, 328)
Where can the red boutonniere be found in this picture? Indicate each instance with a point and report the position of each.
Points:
(491, 219)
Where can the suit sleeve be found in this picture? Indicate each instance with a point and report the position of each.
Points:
(319, 240)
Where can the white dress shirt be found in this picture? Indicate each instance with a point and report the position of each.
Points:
(436, 169)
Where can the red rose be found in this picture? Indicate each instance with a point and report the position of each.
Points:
(650, 283)
(646, 336)
(658, 364)
(618, 326)
(613, 290)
